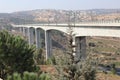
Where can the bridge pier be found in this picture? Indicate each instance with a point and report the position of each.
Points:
(31, 36)
(48, 44)
(25, 31)
(80, 47)
(21, 29)
(38, 37)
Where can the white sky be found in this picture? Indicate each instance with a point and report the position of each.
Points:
(20, 5)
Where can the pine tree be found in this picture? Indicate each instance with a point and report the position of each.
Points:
(73, 69)
(15, 55)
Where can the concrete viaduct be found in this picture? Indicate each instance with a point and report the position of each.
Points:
(81, 30)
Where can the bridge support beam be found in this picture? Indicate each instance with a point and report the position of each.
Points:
(38, 37)
(80, 43)
(31, 36)
(48, 44)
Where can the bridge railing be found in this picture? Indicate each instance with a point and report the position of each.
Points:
(101, 22)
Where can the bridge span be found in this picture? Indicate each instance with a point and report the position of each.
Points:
(80, 30)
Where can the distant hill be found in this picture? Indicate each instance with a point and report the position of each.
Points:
(59, 16)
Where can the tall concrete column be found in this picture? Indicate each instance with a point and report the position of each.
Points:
(24, 31)
(37, 36)
(21, 29)
(31, 36)
(80, 47)
(48, 44)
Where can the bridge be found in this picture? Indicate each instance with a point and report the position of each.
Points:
(81, 30)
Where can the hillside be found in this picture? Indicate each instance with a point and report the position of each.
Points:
(59, 16)
(105, 48)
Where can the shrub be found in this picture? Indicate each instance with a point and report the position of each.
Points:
(29, 76)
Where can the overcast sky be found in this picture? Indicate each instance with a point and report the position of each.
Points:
(21, 5)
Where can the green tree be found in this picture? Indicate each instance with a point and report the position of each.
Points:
(15, 54)
(39, 57)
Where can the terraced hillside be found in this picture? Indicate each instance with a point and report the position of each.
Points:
(106, 48)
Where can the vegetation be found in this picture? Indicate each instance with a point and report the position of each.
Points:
(29, 76)
(39, 57)
(15, 55)
(70, 68)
